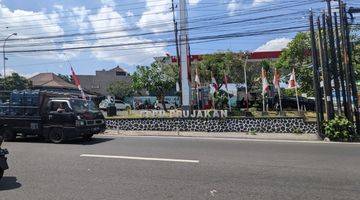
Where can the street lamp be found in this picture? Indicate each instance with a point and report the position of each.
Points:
(4, 50)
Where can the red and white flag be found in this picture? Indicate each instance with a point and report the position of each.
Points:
(292, 81)
(197, 78)
(226, 82)
(77, 83)
(276, 80)
(214, 83)
(265, 83)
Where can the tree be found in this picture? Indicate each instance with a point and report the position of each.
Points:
(158, 78)
(356, 50)
(297, 55)
(219, 64)
(14, 82)
(120, 89)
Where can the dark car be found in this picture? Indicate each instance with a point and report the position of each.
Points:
(304, 103)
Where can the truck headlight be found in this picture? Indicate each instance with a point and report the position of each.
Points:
(79, 123)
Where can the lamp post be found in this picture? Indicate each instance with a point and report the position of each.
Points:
(4, 50)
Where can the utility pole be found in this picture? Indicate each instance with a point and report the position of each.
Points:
(176, 42)
(351, 71)
(333, 65)
(315, 61)
(4, 57)
(184, 52)
(346, 61)
(341, 67)
(326, 73)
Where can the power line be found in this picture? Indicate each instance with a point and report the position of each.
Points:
(104, 19)
(229, 35)
(130, 29)
(212, 25)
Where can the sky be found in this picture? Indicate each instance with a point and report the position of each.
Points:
(131, 32)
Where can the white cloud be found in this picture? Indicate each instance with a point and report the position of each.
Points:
(109, 3)
(158, 12)
(10, 71)
(80, 18)
(274, 45)
(129, 13)
(194, 2)
(29, 24)
(233, 6)
(259, 2)
(138, 54)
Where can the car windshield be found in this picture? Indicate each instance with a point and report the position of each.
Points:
(80, 106)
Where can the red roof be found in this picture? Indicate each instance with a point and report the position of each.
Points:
(265, 55)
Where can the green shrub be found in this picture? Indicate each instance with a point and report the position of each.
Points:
(339, 129)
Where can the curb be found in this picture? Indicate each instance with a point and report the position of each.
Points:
(264, 136)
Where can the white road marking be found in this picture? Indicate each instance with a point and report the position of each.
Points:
(140, 158)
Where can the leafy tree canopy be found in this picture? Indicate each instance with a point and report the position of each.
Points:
(297, 55)
(158, 78)
(221, 63)
(121, 89)
(14, 82)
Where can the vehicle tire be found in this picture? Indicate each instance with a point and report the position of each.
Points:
(88, 137)
(157, 108)
(56, 135)
(8, 135)
(172, 108)
(1, 173)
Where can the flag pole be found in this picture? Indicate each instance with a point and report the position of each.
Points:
(197, 96)
(296, 92)
(227, 90)
(263, 100)
(246, 88)
(279, 93)
(197, 84)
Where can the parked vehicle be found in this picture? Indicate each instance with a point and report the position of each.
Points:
(305, 103)
(3, 163)
(120, 105)
(53, 116)
(168, 105)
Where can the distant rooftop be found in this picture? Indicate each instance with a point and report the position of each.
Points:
(50, 80)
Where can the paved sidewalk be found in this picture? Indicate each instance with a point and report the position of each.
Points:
(265, 136)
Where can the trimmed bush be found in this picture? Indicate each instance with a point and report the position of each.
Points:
(339, 129)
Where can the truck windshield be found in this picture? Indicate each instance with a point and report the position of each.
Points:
(80, 106)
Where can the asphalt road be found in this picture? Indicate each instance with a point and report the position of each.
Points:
(180, 168)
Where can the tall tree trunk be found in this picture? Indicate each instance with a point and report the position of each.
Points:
(162, 99)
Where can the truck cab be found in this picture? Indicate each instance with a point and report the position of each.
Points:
(53, 116)
(68, 118)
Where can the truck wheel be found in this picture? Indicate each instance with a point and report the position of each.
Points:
(56, 135)
(1, 173)
(88, 137)
(9, 136)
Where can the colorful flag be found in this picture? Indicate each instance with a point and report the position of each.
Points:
(276, 80)
(265, 83)
(197, 79)
(292, 81)
(77, 83)
(226, 82)
(214, 83)
(177, 86)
